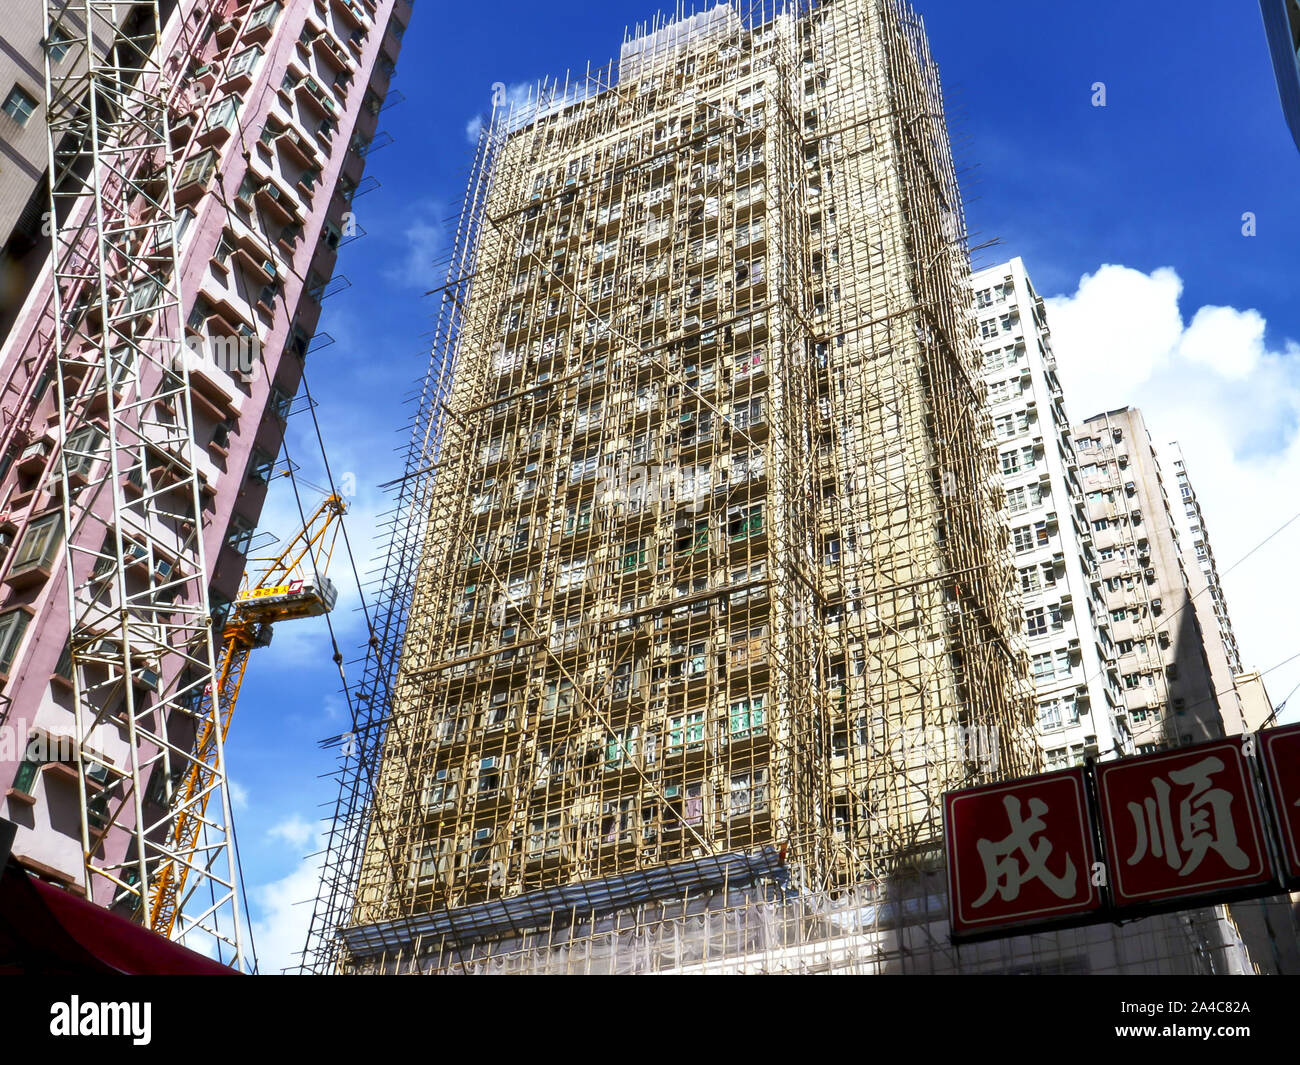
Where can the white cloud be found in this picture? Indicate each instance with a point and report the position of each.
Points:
(285, 907)
(238, 795)
(1228, 341)
(1231, 402)
(1122, 323)
(524, 102)
(293, 830)
(421, 239)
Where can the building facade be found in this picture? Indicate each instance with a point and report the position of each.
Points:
(1169, 690)
(270, 108)
(714, 571)
(1206, 591)
(24, 191)
(1067, 625)
(1282, 25)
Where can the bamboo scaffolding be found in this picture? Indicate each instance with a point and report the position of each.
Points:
(706, 556)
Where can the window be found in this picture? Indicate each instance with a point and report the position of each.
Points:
(280, 401)
(440, 788)
(25, 777)
(1063, 662)
(198, 169)
(748, 793)
(489, 774)
(544, 836)
(1011, 462)
(1008, 425)
(620, 750)
(688, 801)
(584, 466)
(39, 543)
(746, 718)
(56, 44)
(692, 538)
(243, 62)
(261, 465)
(81, 450)
(686, 730)
(12, 626)
(697, 662)
(1049, 715)
(577, 518)
(240, 536)
(558, 697)
(746, 415)
(1035, 622)
(1043, 666)
(432, 861)
(263, 15)
(223, 114)
(19, 105)
(1023, 538)
(618, 820)
(572, 575)
(744, 522)
(634, 555)
(481, 851)
(1029, 580)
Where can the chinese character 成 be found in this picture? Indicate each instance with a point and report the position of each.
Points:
(1002, 869)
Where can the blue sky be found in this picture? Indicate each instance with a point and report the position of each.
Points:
(1130, 215)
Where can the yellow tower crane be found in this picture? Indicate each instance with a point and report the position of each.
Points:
(292, 585)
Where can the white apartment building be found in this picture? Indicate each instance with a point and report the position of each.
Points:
(1066, 624)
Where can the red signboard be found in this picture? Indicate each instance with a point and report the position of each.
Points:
(1279, 752)
(1181, 824)
(1019, 853)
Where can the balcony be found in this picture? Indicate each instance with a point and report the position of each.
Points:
(352, 12)
(282, 205)
(316, 35)
(34, 457)
(316, 96)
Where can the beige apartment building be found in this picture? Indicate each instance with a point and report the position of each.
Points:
(714, 563)
(1168, 685)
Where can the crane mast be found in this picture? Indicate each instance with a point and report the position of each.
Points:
(135, 571)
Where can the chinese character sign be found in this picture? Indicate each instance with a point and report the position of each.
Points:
(1019, 853)
(1182, 823)
(1280, 753)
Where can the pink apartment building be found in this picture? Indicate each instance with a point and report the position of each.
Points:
(273, 107)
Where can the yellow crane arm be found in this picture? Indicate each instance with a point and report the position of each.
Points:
(293, 584)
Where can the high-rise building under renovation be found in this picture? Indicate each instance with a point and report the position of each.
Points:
(204, 156)
(713, 564)
(1067, 625)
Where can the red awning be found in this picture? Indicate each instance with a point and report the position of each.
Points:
(47, 931)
